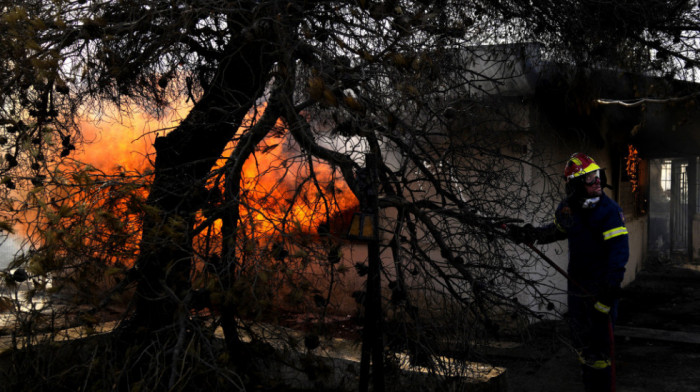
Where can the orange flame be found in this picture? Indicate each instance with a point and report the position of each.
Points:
(124, 142)
(280, 190)
(632, 167)
(283, 191)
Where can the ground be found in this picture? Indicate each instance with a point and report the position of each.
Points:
(657, 340)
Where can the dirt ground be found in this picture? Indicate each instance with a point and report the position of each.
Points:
(657, 340)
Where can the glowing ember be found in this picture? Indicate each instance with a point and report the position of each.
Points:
(632, 167)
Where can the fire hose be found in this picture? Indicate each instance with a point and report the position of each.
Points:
(563, 273)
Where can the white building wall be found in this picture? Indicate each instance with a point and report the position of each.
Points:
(8, 250)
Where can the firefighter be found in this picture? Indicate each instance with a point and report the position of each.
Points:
(595, 229)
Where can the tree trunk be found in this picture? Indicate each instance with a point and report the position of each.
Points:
(184, 157)
(231, 215)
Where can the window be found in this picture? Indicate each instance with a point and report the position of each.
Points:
(680, 171)
(666, 179)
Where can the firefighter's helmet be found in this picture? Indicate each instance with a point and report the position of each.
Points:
(578, 165)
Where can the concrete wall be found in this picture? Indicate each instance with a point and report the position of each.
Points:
(637, 225)
(638, 248)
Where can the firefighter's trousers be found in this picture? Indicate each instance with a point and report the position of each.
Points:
(591, 332)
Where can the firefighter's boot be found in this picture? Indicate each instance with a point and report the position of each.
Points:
(597, 379)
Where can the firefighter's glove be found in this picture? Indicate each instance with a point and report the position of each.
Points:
(522, 234)
(606, 298)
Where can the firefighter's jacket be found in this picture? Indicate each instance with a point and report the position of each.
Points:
(598, 243)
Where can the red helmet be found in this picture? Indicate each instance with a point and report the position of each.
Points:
(578, 165)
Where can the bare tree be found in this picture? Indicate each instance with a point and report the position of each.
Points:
(399, 99)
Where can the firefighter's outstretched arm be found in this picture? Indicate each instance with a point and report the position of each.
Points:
(528, 234)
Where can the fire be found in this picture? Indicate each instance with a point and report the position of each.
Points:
(93, 206)
(286, 198)
(126, 141)
(632, 167)
(285, 191)
(281, 192)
